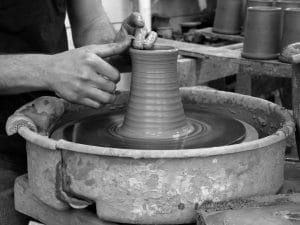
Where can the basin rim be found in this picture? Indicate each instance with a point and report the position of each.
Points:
(286, 129)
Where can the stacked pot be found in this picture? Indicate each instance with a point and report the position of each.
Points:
(231, 14)
(269, 29)
(268, 25)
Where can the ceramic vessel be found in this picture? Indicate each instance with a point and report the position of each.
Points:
(291, 28)
(284, 4)
(262, 33)
(165, 32)
(187, 26)
(155, 109)
(228, 17)
(253, 3)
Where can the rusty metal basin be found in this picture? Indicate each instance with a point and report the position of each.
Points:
(152, 186)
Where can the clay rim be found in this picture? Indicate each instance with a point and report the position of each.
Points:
(264, 8)
(286, 129)
(157, 49)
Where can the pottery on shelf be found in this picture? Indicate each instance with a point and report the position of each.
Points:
(262, 33)
(187, 26)
(252, 3)
(291, 28)
(287, 4)
(165, 32)
(228, 17)
(284, 4)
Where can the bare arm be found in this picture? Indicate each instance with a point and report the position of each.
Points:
(80, 75)
(23, 73)
(73, 75)
(89, 22)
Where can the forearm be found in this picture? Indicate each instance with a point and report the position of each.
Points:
(99, 32)
(23, 73)
(89, 22)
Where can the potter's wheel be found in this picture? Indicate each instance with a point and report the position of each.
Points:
(209, 129)
(131, 185)
(155, 117)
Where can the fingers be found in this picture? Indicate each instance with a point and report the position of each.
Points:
(140, 36)
(89, 102)
(135, 20)
(143, 39)
(102, 83)
(150, 40)
(94, 97)
(111, 49)
(90, 96)
(103, 68)
(129, 29)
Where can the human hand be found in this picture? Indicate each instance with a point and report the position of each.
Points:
(81, 75)
(133, 28)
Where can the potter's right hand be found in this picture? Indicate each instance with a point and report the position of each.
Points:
(81, 75)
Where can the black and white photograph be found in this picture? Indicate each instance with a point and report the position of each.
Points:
(150, 112)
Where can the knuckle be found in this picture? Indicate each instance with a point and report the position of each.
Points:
(85, 76)
(90, 57)
(73, 98)
(77, 87)
(89, 48)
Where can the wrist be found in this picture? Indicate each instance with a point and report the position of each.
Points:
(45, 76)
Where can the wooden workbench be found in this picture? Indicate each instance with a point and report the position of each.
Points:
(210, 35)
(217, 62)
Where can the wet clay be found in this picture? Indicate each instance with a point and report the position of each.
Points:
(208, 129)
(155, 109)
